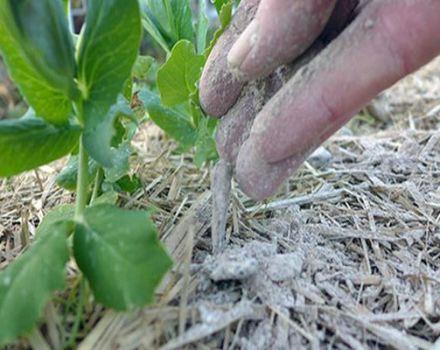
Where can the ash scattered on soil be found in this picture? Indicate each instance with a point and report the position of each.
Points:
(353, 264)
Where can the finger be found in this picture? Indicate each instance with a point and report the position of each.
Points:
(259, 179)
(344, 12)
(219, 88)
(281, 31)
(235, 125)
(387, 41)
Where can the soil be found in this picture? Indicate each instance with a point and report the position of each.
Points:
(345, 256)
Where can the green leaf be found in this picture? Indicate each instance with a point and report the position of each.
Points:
(67, 178)
(29, 142)
(142, 67)
(113, 142)
(129, 184)
(27, 284)
(66, 6)
(225, 17)
(168, 21)
(158, 12)
(202, 28)
(182, 16)
(225, 14)
(155, 33)
(120, 165)
(169, 120)
(38, 50)
(107, 53)
(218, 4)
(109, 197)
(127, 90)
(120, 254)
(62, 213)
(99, 132)
(177, 78)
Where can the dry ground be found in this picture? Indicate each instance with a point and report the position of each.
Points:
(347, 256)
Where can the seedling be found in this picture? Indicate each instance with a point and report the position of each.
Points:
(75, 94)
(176, 108)
(172, 103)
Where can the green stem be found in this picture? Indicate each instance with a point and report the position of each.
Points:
(78, 315)
(195, 113)
(97, 185)
(82, 184)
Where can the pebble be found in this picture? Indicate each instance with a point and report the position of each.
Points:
(320, 158)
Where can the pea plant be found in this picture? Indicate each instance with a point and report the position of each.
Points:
(77, 89)
(186, 39)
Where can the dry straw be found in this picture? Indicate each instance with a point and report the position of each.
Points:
(364, 231)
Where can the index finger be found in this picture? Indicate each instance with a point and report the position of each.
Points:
(387, 41)
(219, 88)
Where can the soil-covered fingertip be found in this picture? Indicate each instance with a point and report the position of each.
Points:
(219, 87)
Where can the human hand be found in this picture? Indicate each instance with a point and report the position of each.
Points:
(268, 134)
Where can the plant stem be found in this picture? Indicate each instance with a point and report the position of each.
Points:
(82, 184)
(96, 187)
(78, 315)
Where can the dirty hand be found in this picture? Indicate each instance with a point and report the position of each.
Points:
(384, 41)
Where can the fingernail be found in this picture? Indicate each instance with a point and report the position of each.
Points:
(243, 46)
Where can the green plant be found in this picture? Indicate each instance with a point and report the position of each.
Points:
(173, 102)
(75, 87)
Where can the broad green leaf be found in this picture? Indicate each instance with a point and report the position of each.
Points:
(107, 53)
(38, 50)
(46, 41)
(182, 16)
(62, 213)
(158, 12)
(120, 254)
(27, 284)
(99, 133)
(202, 28)
(169, 120)
(168, 21)
(125, 130)
(155, 33)
(177, 78)
(30, 142)
(120, 165)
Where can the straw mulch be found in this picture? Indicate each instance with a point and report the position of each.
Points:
(346, 256)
